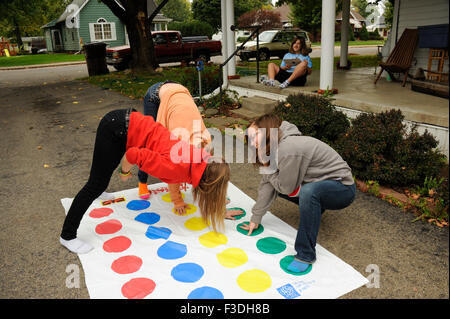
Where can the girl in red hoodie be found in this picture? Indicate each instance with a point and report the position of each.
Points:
(154, 150)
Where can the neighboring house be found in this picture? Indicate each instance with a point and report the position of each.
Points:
(86, 21)
(378, 25)
(357, 21)
(26, 41)
(414, 14)
(285, 15)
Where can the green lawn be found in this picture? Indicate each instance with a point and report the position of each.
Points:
(369, 42)
(20, 60)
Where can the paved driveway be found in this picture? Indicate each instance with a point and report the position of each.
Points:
(47, 142)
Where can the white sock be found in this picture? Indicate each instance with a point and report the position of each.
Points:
(76, 245)
(106, 196)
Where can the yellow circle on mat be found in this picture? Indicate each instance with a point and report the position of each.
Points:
(192, 209)
(168, 199)
(213, 239)
(232, 257)
(254, 280)
(196, 223)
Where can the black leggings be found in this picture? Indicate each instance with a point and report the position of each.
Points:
(110, 145)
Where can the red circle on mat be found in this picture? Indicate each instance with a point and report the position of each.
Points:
(138, 288)
(126, 264)
(117, 244)
(100, 212)
(109, 227)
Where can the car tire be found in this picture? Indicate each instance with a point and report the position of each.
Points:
(264, 55)
(243, 57)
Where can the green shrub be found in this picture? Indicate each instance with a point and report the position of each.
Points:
(314, 116)
(363, 34)
(377, 147)
(192, 28)
(374, 35)
(188, 76)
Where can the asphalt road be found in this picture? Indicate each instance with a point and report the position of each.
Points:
(47, 142)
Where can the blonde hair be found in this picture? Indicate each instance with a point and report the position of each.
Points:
(211, 192)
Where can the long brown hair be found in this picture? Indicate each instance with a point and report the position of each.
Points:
(211, 192)
(303, 48)
(267, 122)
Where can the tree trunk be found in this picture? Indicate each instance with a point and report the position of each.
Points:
(141, 41)
(140, 37)
(18, 34)
(135, 16)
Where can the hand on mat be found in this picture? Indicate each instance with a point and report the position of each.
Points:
(250, 227)
(233, 212)
(181, 210)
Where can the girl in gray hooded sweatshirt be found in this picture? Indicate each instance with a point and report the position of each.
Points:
(300, 167)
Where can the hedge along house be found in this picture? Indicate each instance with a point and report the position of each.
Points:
(85, 21)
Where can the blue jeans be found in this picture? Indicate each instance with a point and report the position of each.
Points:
(151, 107)
(314, 199)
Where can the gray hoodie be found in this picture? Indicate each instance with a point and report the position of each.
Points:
(301, 160)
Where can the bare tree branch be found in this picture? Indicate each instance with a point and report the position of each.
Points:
(158, 8)
(116, 9)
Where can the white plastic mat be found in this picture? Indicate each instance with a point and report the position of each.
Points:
(154, 253)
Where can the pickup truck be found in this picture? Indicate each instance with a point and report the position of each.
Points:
(170, 46)
(272, 43)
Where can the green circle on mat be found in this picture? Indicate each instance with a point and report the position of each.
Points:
(271, 245)
(285, 262)
(256, 231)
(236, 217)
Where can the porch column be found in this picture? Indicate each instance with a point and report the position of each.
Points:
(327, 44)
(231, 44)
(223, 5)
(344, 33)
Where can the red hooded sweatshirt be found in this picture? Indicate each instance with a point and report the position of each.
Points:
(160, 154)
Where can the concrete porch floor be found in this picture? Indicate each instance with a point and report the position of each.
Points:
(356, 91)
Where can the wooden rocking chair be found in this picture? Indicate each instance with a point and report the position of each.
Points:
(399, 61)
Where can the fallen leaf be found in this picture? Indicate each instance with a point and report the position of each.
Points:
(415, 196)
(58, 102)
(46, 166)
(39, 147)
(75, 102)
(61, 126)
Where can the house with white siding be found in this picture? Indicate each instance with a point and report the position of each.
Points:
(415, 14)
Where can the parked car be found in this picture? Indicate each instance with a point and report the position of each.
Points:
(272, 43)
(37, 45)
(170, 46)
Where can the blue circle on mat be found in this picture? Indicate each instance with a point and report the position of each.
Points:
(205, 293)
(138, 204)
(147, 218)
(187, 272)
(158, 232)
(172, 250)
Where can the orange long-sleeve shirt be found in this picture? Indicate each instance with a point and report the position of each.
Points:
(179, 114)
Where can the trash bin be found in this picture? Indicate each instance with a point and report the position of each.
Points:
(96, 58)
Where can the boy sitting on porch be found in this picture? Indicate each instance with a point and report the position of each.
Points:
(294, 68)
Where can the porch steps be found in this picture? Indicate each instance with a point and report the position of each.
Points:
(255, 106)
